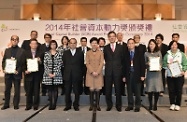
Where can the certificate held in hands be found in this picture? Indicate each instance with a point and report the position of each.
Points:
(175, 69)
(154, 64)
(32, 65)
(10, 66)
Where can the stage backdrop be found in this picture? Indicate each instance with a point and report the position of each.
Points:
(90, 28)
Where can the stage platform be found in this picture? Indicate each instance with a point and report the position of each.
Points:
(44, 115)
(163, 114)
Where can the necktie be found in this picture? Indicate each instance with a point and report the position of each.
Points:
(33, 54)
(131, 55)
(83, 49)
(113, 47)
(131, 58)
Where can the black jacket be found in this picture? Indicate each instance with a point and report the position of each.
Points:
(28, 55)
(19, 64)
(73, 65)
(138, 64)
(114, 61)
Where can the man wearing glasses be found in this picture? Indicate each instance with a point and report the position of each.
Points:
(13, 53)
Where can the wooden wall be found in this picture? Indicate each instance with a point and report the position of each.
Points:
(97, 9)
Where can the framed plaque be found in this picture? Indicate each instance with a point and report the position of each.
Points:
(154, 64)
(32, 65)
(175, 69)
(10, 66)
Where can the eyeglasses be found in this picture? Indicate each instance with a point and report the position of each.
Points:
(12, 39)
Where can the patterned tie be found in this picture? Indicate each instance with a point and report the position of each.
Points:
(113, 48)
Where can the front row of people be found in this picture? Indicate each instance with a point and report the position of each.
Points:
(120, 66)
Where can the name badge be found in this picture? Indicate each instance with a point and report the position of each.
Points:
(131, 63)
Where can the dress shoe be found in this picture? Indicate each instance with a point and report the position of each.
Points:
(129, 108)
(136, 110)
(35, 108)
(67, 108)
(98, 108)
(4, 107)
(142, 94)
(150, 108)
(16, 107)
(118, 109)
(27, 108)
(91, 108)
(76, 108)
(155, 108)
(108, 108)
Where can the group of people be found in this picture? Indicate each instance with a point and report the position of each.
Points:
(95, 70)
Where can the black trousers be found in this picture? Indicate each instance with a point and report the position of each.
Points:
(8, 86)
(75, 85)
(33, 93)
(123, 88)
(109, 81)
(175, 86)
(164, 78)
(134, 86)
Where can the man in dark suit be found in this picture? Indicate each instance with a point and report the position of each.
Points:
(26, 46)
(73, 61)
(13, 53)
(120, 42)
(142, 50)
(44, 48)
(114, 55)
(175, 37)
(32, 79)
(26, 43)
(163, 48)
(135, 65)
(84, 48)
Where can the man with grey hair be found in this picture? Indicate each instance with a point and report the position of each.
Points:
(142, 50)
(122, 43)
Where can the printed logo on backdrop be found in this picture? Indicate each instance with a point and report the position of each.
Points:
(98, 29)
(6, 28)
(179, 28)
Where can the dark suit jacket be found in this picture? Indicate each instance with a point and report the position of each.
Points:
(26, 45)
(80, 48)
(142, 48)
(73, 65)
(163, 49)
(28, 55)
(114, 60)
(181, 47)
(42, 50)
(19, 64)
(124, 46)
(138, 64)
(84, 68)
